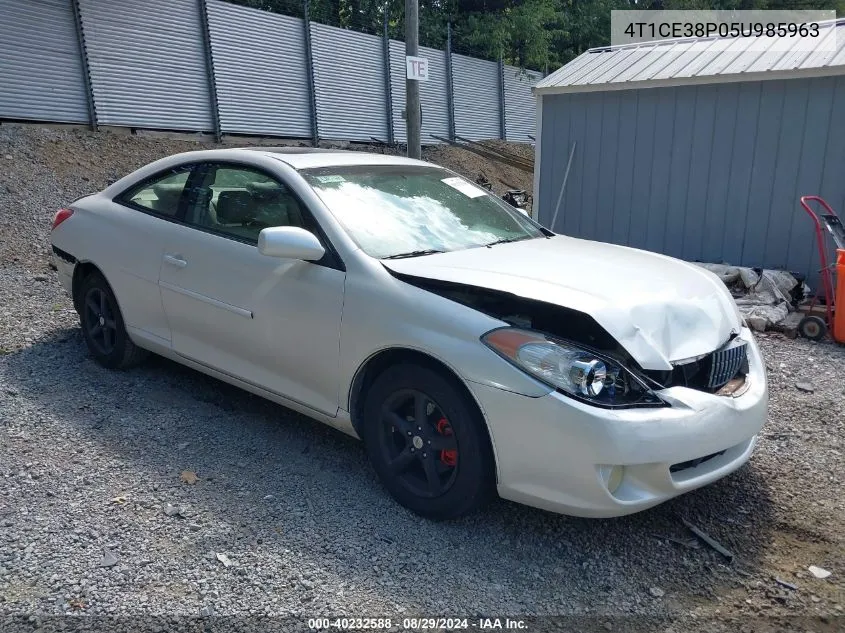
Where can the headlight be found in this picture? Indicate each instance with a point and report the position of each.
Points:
(573, 370)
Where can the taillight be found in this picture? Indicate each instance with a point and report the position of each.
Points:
(61, 216)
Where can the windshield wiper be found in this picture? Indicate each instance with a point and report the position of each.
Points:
(507, 240)
(427, 251)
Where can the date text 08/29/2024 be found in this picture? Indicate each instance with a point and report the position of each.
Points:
(417, 623)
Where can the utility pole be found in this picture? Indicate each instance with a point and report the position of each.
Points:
(413, 113)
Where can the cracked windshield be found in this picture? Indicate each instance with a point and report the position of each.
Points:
(404, 211)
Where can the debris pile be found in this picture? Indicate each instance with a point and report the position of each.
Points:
(764, 297)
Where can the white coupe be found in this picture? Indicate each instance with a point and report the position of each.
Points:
(472, 350)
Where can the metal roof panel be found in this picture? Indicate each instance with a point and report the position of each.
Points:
(734, 51)
(822, 57)
(696, 61)
(562, 76)
(633, 61)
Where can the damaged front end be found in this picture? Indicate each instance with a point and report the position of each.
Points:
(722, 372)
(525, 313)
(560, 335)
(561, 347)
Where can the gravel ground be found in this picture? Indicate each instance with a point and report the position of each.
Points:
(90, 465)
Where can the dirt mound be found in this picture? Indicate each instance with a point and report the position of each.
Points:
(471, 165)
(45, 167)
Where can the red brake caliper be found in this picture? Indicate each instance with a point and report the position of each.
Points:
(449, 458)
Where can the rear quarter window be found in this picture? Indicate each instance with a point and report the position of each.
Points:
(160, 194)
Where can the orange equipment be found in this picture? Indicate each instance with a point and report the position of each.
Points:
(813, 326)
(838, 331)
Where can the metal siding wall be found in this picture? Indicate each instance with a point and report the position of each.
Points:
(790, 138)
(679, 172)
(40, 66)
(476, 97)
(739, 183)
(658, 207)
(624, 182)
(572, 197)
(147, 63)
(828, 104)
(611, 126)
(259, 68)
(349, 81)
(709, 173)
(551, 165)
(716, 213)
(820, 166)
(762, 173)
(700, 188)
(520, 104)
(643, 163)
(592, 180)
(435, 105)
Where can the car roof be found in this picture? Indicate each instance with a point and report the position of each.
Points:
(311, 157)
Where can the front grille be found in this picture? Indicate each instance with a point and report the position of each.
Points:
(725, 363)
(709, 373)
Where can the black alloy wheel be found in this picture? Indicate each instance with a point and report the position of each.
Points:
(99, 320)
(417, 443)
(103, 327)
(428, 441)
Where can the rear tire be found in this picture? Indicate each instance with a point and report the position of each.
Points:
(103, 327)
(433, 458)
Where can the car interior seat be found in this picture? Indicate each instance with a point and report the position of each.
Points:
(235, 213)
(274, 204)
(234, 208)
(167, 197)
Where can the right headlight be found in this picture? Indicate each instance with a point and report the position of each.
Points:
(573, 370)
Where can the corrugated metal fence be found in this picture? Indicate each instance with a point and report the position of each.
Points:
(255, 93)
(147, 63)
(208, 65)
(41, 74)
(350, 86)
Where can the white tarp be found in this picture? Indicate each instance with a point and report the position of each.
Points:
(763, 299)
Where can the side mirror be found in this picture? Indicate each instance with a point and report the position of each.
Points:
(290, 242)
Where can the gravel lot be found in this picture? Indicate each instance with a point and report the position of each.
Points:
(90, 459)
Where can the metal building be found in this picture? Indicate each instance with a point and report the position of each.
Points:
(699, 149)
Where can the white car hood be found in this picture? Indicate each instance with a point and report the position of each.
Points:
(658, 308)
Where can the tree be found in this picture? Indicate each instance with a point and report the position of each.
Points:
(534, 34)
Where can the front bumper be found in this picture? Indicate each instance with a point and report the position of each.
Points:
(554, 452)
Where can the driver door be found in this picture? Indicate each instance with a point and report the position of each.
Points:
(271, 322)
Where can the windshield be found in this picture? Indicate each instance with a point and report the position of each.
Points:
(409, 210)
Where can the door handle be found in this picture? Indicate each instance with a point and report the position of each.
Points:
(173, 260)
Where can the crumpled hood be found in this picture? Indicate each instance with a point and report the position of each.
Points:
(658, 308)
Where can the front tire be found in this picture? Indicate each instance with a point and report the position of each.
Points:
(428, 442)
(103, 327)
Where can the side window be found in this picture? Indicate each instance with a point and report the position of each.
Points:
(239, 201)
(160, 194)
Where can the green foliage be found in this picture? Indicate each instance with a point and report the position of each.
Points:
(538, 34)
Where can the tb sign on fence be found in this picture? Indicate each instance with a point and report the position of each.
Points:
(416, 68)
